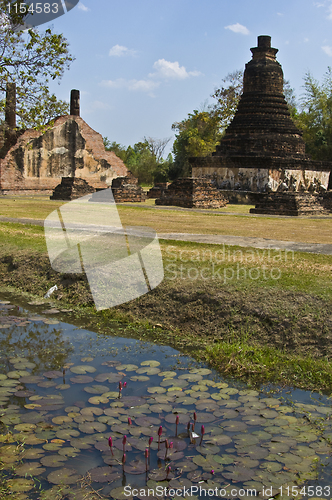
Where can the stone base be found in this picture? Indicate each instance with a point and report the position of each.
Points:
(157, 190)
(292, 204)
(71, 188)
(241, 197)
(192, 192)
(127, 190)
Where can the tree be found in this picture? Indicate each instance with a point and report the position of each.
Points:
(228, 98)
(144, 159)
(31, 60)
(198, 135)
(315, 116)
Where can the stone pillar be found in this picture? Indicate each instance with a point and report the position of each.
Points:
(10, 111)
(75, 103)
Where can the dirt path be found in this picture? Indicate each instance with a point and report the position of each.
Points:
(241, 241)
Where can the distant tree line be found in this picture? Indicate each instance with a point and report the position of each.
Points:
(144, 159)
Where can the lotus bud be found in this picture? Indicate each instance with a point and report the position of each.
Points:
(171, 444)
(166, 443)
(160, 431)
(129, 421)
(124, 385)
(124, 440)
(195, 416)
(188, 426)
(212, 471)
(110, 442)
(150, 440)
(177, 420)
(146, 452)
(120, 386)
(168, 470)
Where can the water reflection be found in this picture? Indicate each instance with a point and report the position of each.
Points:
(65, 390)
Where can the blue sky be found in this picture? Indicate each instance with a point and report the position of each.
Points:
(142, 65)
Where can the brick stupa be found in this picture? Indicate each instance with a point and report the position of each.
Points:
(262, 150)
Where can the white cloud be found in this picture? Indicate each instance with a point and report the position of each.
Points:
(327, 50)
(83, 7)
(238, 28)
(120, 50)
(173, 70)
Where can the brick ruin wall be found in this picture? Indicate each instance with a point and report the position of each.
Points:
(38, 160)
(189, 192)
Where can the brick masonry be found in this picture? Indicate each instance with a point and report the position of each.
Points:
(39, 159)
(71, 188)
(192, 192)
(294, 204)
(126, 190)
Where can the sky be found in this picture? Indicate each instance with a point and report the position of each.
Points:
(142, 65)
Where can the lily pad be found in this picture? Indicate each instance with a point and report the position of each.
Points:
(238, 474)
(104, 474)
(221, 440)
(20, 485)
(53, 374)
(120, 494)
(64, 476)
(152, 363)
(53, 460)
(110, 377)
(91, 427)
(96, 389)
(148, 370)
(82, 369)
(30, 469)
(97, 400)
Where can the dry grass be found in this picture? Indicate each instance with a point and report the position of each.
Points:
(232, 220)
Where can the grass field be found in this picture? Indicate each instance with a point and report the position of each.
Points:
(164, 220)
(255, 314)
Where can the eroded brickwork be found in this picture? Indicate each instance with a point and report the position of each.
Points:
(189, 192)
(126, 190)
(71, 188)
(69, 148)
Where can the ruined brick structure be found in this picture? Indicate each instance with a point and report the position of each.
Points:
(293, 204)
(157, 190)
(71, 188)
(126, 190)
(36, 161)
(262, 150)
(192, 192)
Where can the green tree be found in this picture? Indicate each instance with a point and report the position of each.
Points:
(198, 135)
(31, 60)
(144, 159)
(315, 116)
(228, 98)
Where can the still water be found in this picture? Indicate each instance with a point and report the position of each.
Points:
(177, 428)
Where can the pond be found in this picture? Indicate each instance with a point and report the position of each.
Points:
(177, 428)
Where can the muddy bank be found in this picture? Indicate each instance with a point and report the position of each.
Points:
(193, 313)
